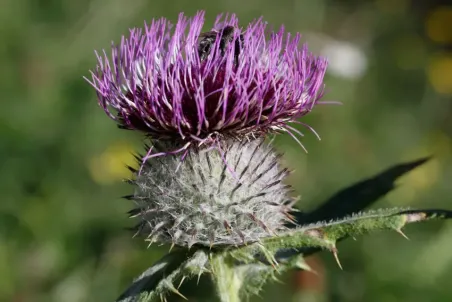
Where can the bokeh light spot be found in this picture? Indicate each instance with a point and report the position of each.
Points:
(392, 7)
(438, 24)
(111, 165)
(440, 73)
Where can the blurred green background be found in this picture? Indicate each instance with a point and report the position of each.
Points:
(62, 223)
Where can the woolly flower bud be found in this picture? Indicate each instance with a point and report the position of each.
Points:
(213, 198)
(176, 83)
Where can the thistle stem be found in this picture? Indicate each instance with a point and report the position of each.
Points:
(226, 279)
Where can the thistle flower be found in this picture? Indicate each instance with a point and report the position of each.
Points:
(176, 83)
(203, 203)
(192, 92)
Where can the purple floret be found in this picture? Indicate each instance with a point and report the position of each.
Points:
(155, 81)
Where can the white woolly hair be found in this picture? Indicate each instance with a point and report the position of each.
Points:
(211, 197)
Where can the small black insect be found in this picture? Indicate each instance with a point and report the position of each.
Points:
(207, 39)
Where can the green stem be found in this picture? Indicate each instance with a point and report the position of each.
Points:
(226, 278)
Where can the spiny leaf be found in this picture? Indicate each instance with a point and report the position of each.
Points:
(358, 196)
(325, 235)
(255, 275)
(316, 237)
(160, 279)
(147, 281)
(234, 280)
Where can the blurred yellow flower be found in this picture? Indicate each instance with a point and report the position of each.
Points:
(392, 7)
(111, 165)
(440, 73)
(438, 24)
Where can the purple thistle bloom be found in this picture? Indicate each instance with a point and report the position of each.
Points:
(164, 82)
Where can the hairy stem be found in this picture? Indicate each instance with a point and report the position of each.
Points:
(227, 280)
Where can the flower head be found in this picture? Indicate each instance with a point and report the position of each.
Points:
(203, 203)
(177, 83)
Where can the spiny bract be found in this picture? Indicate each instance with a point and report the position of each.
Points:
(213, 198)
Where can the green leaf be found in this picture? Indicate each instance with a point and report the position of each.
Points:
(359, 196)
(160, 279)
(258, 263)
(325, 235)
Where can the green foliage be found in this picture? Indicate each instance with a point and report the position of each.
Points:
(62, 234)
(160, 279)
(244, 270)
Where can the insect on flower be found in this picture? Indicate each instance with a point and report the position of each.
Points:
(197, 89)
(207, 40)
